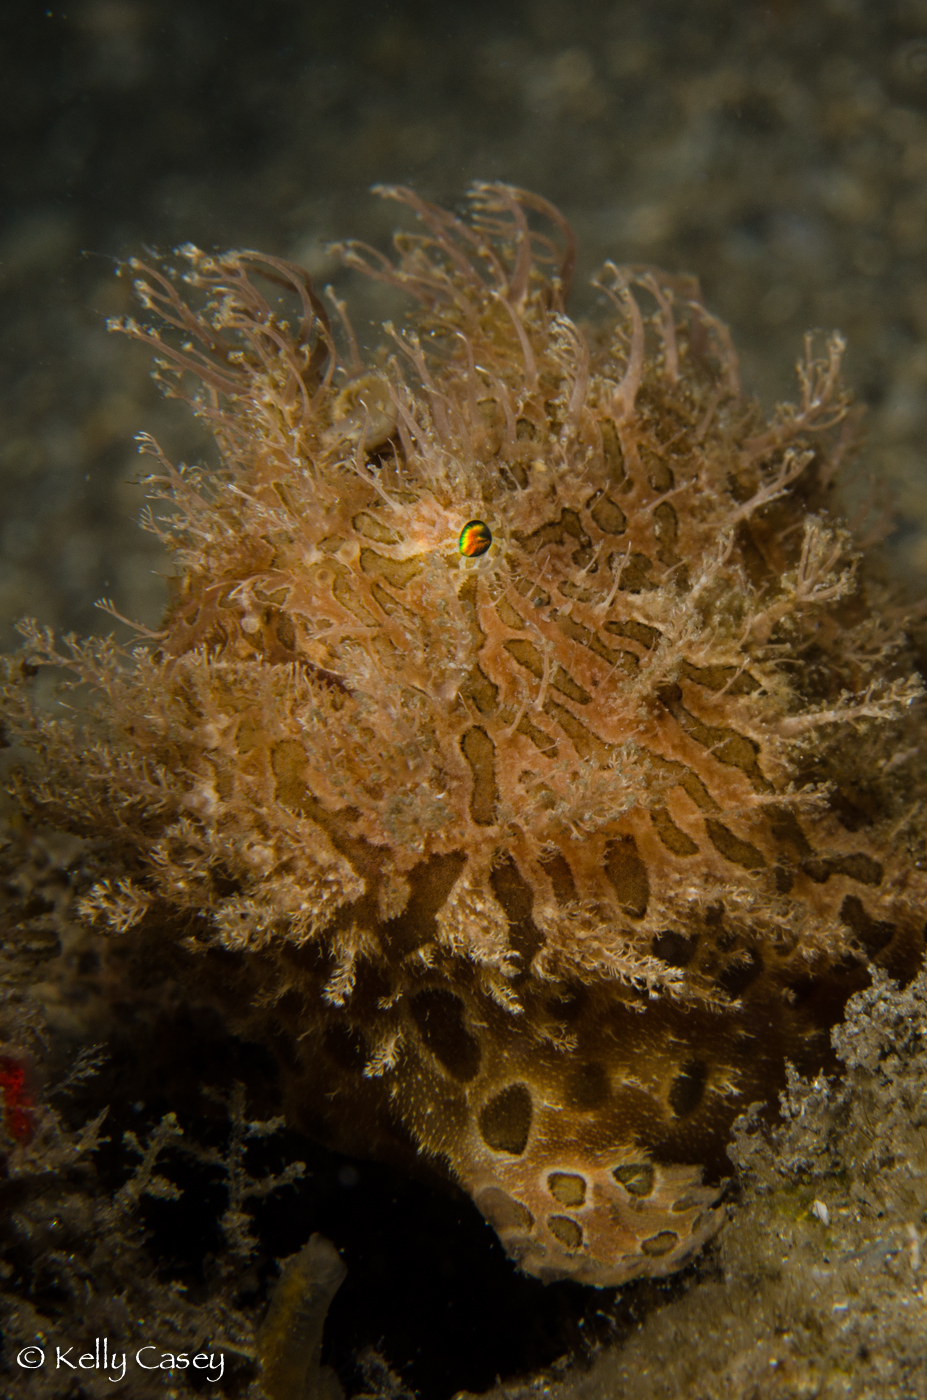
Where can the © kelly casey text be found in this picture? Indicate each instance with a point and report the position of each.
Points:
(115, 1363)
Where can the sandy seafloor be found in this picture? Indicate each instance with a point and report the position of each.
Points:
(778, 151)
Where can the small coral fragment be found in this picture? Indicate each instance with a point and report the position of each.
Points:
(289, 1343)
(527, 754)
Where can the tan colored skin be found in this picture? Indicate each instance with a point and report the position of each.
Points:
(539, 863)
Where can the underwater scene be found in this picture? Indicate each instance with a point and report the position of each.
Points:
(463, 832)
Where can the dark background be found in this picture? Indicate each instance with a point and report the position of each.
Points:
(777, 150)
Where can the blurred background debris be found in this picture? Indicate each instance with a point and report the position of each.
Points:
(778, 150)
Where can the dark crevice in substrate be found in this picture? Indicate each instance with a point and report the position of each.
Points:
(428, 1287)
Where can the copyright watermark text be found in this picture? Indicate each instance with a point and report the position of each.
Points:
(114, 1364)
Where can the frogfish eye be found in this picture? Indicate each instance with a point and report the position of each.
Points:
(475, 539)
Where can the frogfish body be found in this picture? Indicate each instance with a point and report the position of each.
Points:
(527, 755)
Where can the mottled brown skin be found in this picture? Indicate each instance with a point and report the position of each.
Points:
(539, 863)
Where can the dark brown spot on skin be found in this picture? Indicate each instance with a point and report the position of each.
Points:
(288, 761)
(344, 591)
(785, 827)
(727, 678)
(726, 745)
(556, 532)
(585, 742)
(674, 948)
(738, 975)
(538, 737)
(527, 655)
(688, 1088)
(607, 514)
(479, 751)
(666, 529)
(566, 1231)
(735, 850)
(635, 632)
(466, 596)
(558, 871)
(439, 1016)
(854, 807)
(628, 874)
(659, 472)
(516, 898)
(859, 867)
(693, 787)
(504, 1213)
(672, 836)
(637, 1178)
(568, 625)
(872, 934)
(327, 678)
(505, 1122)
(373, 529)
(396, 572)
(518, 472)
(635, 574)
(784, 879)
(430, 886)
(481, 690)
(286, 635)
(611, 450)
(568, 1188)
(660, 1244)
